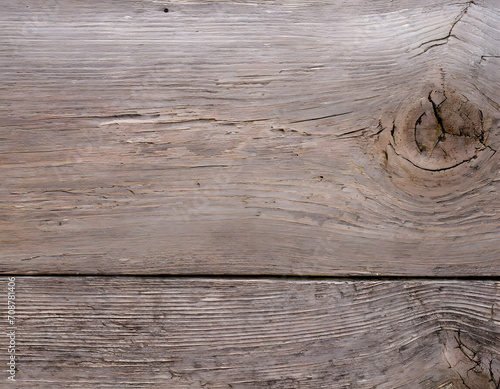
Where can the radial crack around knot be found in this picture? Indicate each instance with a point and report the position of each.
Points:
(440, 133)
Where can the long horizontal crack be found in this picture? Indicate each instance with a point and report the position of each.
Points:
(273, 277)
(483, 57)
(321, 117)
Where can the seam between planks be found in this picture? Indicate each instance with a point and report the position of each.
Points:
(263, 277)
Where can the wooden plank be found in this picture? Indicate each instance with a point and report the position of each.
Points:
(123, 332)
(250, 137)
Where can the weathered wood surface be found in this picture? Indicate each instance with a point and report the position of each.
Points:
(250, 137)
(189, 333)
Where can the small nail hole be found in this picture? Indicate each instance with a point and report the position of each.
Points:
(165, 10)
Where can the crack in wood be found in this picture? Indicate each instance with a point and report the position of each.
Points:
(450, 32)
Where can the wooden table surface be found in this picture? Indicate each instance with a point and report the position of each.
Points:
(251, 193)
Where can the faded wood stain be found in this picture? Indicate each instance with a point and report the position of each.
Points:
(252, 138)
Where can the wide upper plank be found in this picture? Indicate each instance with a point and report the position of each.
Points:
(189, 333)
(249, 137)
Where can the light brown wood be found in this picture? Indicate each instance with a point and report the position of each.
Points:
(252, 137)
(192, 333)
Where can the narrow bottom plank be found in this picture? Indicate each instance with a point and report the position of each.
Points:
(132, 332)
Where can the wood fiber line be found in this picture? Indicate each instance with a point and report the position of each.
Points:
(120, 332)
(250, 137)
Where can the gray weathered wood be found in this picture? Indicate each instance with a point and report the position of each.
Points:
(190, 333)
(250, 137)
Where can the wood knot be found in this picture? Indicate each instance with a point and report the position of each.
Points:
(440, 133)
(439, 144)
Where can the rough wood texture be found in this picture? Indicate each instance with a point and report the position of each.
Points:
(250, 137)
(187, 333)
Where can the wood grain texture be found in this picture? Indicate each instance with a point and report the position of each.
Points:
(250, 137)
(210, 333)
